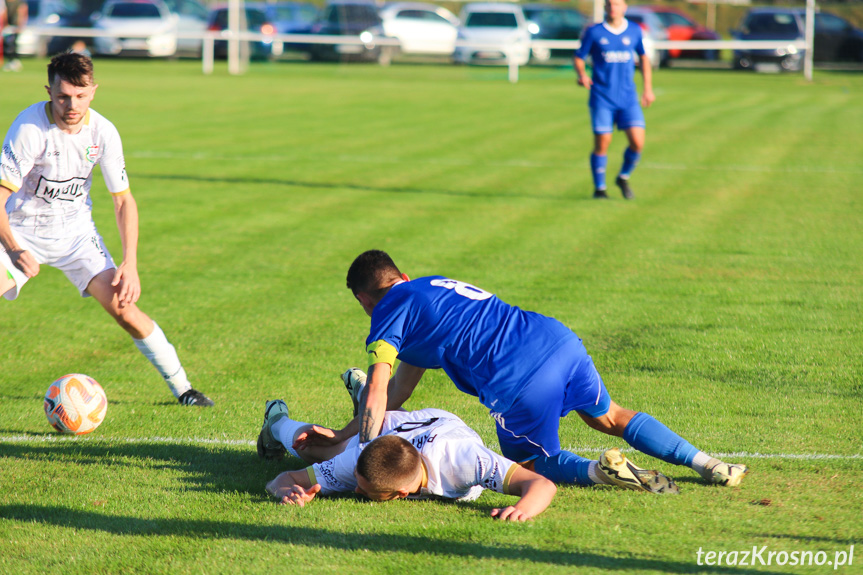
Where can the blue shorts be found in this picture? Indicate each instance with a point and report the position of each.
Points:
(603, 118)
(567, 382)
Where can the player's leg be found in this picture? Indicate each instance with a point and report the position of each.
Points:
(631, 121)
(603, 126)
(279, 432)
(528, 433)
(148, 338)
(648, 435)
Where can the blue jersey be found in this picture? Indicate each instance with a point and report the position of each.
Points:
(613, 54)
(488, 348)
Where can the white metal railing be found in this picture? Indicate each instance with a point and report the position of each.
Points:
(208, 39)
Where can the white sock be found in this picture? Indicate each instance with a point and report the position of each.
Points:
(163, 356)
(285, 430)
(592, 473)
(703, 463)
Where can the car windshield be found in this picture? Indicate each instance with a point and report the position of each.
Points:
(289, 13)
(772, 24)
(134, 10)
(491, 20)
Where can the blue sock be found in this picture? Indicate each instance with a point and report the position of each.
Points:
(565, 467)
(597, 168)
(630, 160)
(649, 436)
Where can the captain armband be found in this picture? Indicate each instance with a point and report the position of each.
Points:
(382, 352)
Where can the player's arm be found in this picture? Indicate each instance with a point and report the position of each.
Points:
(126, 276)
(373, 404)
(293, 488)
(23, 259)
(647, 97)
(581, 72)
(536, 493)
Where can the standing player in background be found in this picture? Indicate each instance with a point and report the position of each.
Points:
(46, 171)
(613, 46)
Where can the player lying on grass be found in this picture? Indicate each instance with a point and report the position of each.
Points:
(46, 170)
(422, 454)
(529, 370)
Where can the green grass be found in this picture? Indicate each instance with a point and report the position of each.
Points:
(725, 300)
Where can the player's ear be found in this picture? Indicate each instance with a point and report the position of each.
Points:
(403, 493)
(406, 278)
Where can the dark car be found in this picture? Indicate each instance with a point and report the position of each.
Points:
(255, 21)
(352, 18)
(835, 38)
(549, 22)
(292, 17)
(680, 26)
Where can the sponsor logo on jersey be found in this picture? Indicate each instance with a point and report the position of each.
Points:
(65, 191)
(603, 41)
(626, 41)
(10, 161)
(617, 56)
(92, 153)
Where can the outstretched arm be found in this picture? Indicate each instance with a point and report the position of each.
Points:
(581, 73)
(126, 276)
(293, 488)
(536, 493)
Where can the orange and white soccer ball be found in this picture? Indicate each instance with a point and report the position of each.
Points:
(75, 403)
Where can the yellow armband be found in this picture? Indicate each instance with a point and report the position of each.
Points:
(508, 477)
(382, 352)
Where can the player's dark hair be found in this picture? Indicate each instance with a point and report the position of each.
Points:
(372, 272)
(75, 68)
(389, 463)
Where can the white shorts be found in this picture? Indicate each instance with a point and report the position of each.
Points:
(81, 258)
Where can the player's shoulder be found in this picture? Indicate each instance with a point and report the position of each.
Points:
(99, 122)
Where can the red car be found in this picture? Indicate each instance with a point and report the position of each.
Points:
(680, 26)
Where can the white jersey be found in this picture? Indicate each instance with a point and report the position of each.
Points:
(51, 171)
(459, 466)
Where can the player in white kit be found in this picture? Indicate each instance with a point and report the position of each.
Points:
(429, 453)
(46, 172)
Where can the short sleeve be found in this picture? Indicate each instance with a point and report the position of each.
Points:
(337, 474)
(20, 149)
(112, 161)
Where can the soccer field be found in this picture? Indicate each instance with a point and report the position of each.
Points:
(725, 300)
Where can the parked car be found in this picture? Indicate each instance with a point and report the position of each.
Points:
(140, 27)
(653, 31)
(40, 14)
(352, 18)
(191, 21)
(551, 22)
(680, 26)
(835, 38)
(491, 31)
(420, 28)
(291, 17)
(254, 19)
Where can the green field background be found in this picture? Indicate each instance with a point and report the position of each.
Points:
(725, 300)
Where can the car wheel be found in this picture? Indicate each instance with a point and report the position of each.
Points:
(743, 63)
(789, 64)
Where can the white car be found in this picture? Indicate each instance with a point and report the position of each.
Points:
(420, 28)
(493, 33)
(145, 27)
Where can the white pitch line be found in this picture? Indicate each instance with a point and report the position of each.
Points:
(469, 162)
(245, 442)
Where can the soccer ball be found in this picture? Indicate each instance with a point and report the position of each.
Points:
(75, 403)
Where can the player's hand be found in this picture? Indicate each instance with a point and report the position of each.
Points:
(585, 81)
(316, 436)
(510, 513)
(24, 261)
(126, 276)
(647, 98)
(296, 495)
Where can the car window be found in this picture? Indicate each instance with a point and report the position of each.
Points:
(134, 10)
(673, 19)
(772, 24)
(830, 23)
(491, 20)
